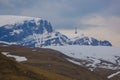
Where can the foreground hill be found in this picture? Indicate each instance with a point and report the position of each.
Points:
(12, 70)
(46, 62)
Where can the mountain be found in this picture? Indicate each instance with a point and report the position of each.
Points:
(94, 58)
(84, 40)
(32, 32)
(36, 32)
(41, 64)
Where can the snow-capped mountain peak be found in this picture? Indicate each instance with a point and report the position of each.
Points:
(30, 31)
(85, 40)
(37, 32)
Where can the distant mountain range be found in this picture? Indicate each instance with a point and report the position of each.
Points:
(36, 32)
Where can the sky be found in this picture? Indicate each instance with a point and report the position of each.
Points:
(95, 18)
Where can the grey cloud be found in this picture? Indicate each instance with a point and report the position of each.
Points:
(63, 14)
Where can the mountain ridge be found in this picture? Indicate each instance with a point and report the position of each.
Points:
(36, 32)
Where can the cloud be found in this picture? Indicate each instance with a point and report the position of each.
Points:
(15, 5)
(91, 16)
(110, 22)
(6, 3)
(63, 14)
(112, 9)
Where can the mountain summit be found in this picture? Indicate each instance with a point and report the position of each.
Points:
(37, 32)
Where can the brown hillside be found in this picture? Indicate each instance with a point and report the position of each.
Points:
(52, 61)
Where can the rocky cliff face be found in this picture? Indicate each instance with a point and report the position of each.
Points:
(36, 32)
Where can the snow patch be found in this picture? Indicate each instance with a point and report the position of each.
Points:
(17, 58)
(11, 43)
(93, 55)
(16, 31)
(75, 62)
(34, 50)
(114, 74)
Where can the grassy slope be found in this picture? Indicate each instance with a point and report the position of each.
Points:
(12, 70)
(52, 61)
(117, 77)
